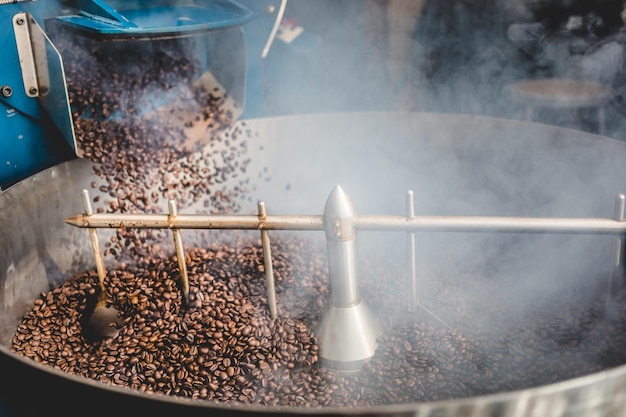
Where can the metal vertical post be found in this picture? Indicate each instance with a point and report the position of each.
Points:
(180, 252)
(410, 213)
(616, 254)
(267, 261)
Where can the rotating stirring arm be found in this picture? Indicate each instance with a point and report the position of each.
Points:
(347, 332)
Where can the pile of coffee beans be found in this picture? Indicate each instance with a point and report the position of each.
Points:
(224, 346)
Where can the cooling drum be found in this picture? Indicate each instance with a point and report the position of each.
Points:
(480, 285)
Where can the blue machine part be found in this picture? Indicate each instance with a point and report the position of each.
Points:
(150, 19)
(37, 131)
(33, 138)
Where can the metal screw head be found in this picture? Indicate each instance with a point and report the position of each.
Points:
(20, 21)
(32, 90)
(6, 91)
(270, 8)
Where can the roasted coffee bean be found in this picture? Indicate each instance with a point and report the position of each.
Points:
(238, 353)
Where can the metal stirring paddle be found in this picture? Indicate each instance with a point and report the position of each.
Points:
(105, 319)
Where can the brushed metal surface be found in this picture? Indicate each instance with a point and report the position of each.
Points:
(457, 165)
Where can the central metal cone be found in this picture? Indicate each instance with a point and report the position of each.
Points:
(347, 337)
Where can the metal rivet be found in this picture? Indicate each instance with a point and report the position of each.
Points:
(20, 21)
(33, 90)
(6, 91)
(271, 8)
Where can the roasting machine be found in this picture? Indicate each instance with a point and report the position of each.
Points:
(347, 333)
(528, 214)
(473, 265)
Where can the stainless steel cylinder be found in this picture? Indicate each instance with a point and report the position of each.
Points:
(341, 240)
(348, 331)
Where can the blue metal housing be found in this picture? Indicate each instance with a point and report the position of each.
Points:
(30, 140)
(141, 18)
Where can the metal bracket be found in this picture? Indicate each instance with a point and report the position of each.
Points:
(25, 53)
(43, 74)
(31, 49)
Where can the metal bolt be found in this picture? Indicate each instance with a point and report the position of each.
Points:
(20, 21)
(6, 91)
(32, 90)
